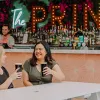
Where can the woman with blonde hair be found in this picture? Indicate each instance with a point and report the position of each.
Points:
(5, 79)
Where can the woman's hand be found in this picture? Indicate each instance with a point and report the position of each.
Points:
(47, 71)
(55, 71)
(16, 75)
(10, 46)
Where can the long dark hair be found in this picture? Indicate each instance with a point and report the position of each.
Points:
(48, 57)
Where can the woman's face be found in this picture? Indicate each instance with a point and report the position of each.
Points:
(40, 52)
(5, 30)
(3, 57)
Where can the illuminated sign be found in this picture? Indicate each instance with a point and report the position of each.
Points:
(59, 18)
(18, 19)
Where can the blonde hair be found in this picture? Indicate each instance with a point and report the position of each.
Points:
(1, 52)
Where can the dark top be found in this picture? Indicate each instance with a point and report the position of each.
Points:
(35, 77)
(4, 77)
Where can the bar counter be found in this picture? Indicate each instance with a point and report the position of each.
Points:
(77, 65)
(55, 50)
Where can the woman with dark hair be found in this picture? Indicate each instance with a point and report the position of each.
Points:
(32, 67)
(6, 40)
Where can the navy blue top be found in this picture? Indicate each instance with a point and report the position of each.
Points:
(4, 77)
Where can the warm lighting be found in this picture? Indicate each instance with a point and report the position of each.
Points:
(56, 18)
(94, 16)
(36, 20)
(74, 15)
(85, 17)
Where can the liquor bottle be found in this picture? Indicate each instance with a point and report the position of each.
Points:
(21, 37)
(97, 36)
(25, 37)
(58, 31)
(50, 40)
(14, 34)
(93, 37)
(30, 37)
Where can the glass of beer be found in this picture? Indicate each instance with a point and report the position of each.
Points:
(18, 65)
(43, 65)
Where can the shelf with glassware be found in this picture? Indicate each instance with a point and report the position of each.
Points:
(61, 37)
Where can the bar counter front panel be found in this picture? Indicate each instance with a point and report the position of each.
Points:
(77, 65)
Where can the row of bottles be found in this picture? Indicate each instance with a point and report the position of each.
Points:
(60, 36)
